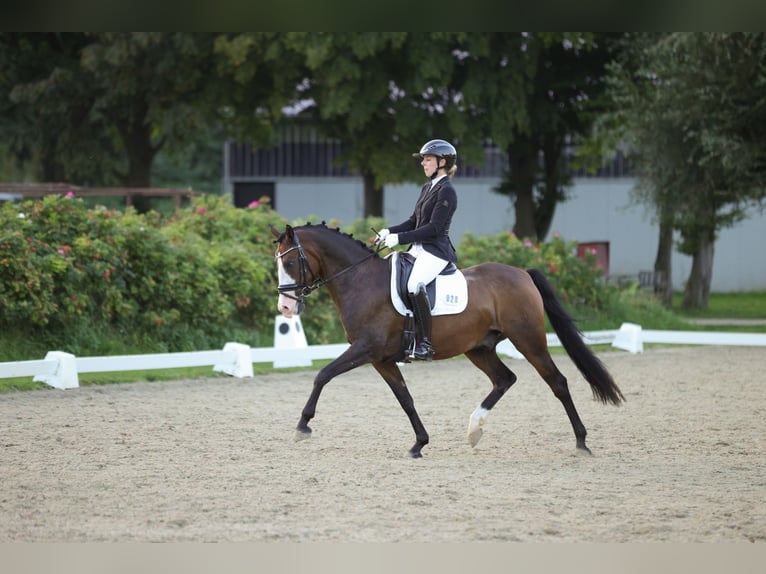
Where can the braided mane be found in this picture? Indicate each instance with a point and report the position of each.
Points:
(337, 230)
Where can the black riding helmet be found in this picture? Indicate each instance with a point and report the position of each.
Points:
(440, 149)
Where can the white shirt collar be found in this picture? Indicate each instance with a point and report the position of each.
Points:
(435, 180)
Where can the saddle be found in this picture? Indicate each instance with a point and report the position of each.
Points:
(447, 294)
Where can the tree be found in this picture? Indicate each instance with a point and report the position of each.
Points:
(44, 103)
(257, 77)
(147, 86)
(381, 94)
(693, 113)
(103, 105)
(545, 91)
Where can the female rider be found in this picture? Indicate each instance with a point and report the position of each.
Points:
(427, 230)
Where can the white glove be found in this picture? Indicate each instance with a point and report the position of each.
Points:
(391, 240)
(382, 234)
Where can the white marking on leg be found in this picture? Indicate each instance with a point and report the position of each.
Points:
(477, 420)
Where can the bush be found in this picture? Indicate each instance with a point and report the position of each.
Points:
(208, 267)
(578, 282)
(71, 275)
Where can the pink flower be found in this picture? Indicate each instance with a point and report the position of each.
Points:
(201, 210)
(556, 235)
(594, 251)
(252, 204)
(69, 194)
(61, 252)
(527, 243)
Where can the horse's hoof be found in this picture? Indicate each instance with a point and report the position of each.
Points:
(474, 436)
(302, 434)
(415, 451)
(583, 450)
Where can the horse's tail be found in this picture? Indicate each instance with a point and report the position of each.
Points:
(601, 382)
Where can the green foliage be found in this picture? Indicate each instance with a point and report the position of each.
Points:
(64, 267)
(690, 107)
(749, 305)
(95, 281)
(94, 108)
(579, 282)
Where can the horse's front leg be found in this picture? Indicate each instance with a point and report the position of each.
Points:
(393, 376)
(354, 356)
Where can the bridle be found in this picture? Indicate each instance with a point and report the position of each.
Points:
(299, 291)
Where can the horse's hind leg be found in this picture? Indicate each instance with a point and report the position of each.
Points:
(393, 376)
(486, 359)
(543, 363)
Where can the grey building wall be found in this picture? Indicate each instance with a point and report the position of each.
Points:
(599, 210)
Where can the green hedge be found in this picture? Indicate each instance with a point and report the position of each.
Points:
(579, 282)
(63, 266)
(198, 275)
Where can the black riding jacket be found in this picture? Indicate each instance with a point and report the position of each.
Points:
(430, 221)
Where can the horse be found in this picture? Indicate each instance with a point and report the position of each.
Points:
(503, 302)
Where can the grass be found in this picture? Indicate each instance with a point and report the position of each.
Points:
(749, 305)
(638, 310)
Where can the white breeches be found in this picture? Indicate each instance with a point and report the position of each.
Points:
(427, 266)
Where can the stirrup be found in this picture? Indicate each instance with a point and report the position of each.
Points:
(423, 352)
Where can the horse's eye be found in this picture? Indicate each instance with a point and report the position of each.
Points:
(289, 264)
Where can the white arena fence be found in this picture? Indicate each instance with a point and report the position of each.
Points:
(61, 370)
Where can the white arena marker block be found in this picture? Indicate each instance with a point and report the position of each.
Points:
(289, 335)
(629, 338)
(241, 366)
(505, 347)
(65, 375)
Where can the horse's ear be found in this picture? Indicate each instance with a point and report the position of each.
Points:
(274, 230)
(289, 232)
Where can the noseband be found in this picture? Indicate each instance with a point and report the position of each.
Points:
(303, 289)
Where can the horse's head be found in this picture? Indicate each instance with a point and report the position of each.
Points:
(296, 271)
(319, 256)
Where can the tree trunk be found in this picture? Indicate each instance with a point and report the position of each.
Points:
(698, 286)
(546, 208)
(136, 136)
(51, 168)
(373, 196)
(522, 157)
(663, 263)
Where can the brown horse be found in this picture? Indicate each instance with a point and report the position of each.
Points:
(503, 301)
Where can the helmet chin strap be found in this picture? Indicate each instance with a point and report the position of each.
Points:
(436, 171)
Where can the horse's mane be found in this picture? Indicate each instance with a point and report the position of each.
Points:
(323, 226)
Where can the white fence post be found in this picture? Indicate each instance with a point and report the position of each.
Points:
(241, 365)
(65, 375)
(629, 338)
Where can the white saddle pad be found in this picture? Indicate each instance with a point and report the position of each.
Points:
(451, 292)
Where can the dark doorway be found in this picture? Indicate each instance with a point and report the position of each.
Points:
(245, 192)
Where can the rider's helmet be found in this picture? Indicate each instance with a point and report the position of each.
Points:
(439, 148)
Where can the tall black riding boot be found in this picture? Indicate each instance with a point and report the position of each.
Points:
(422, 309)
